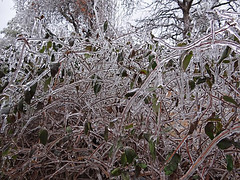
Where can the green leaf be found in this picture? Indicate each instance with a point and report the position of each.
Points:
(186, 60)
(142, 165)
(201, 80)
(131, 92)
(208, 69)
(54, 68)
(209, 129)
(96, 84)
(130, 154)
(155, 105)
(218, 127)
(181, 44)
(69, 129)
(129, 126)
(46, 83)
(20, 106)
(86, 55)
(49, 45)
(154, 65)
(28, 94)
(43, 136)
(97, 88)
(229, 160)
(89, 48)
(125, 176)
(152, 149)
(105, 26)
(237, 144)
(87, 127)
(42, 50)
(209, 82)
(116, 172)
(225, 54)
(172, 165)
(143, 71)
(11, 118)
(6, 149)
(106, 133)
(120, 57)
(230, 100)
(225, 144)
(191, 84)
(151, 57)
(2, 74)
(123, 159)
(124, 73)
(137, 170)
(5, 110)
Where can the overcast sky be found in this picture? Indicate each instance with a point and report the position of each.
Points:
(7, 12)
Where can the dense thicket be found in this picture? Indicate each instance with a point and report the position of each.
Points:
(92, 102)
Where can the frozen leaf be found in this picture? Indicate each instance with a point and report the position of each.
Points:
(208, 69)
(105, 26)
(151, 57)
(2, 87)
(2, 74)
(225, 54)
(69, 129)
(54, 69)
(40, 105)
(153, 64)
(209, 130)
(11, 118)
(129, 126)
(237, 144)
(87, 127)
(155, 105)
(152, 149)
(120, 57)
(71, 42)
(30, 93)
(123, 159)
(125, 176)
(225, 143)
(42, 50)
(96, 84)
(229, 160)
(143, 71)
(49, 45)
(172, 165)
(5, 150)
(186, 60)
(131, 92)
(124, 73)
(97, 88)
(130, 154)
(181, 44)
(191, 84)
(230, 100)
(142, 165)
(137, 170)
(86, 55)
(116, 172)
(43, 136)
(201, 80)
(5, 110)
(106, 133)
(46, 83)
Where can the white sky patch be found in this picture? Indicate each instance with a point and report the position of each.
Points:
(7, 12)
